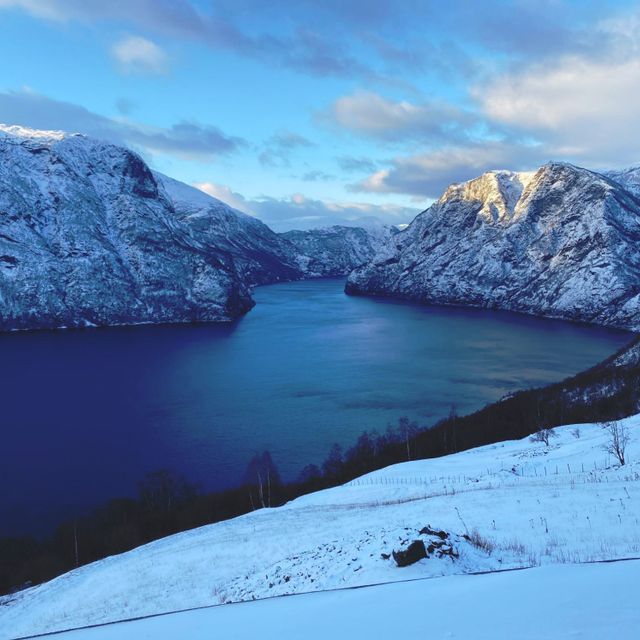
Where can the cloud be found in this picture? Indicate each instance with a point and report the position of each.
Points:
(277, 150)
(317, 176)
(183, 139)
(350, 164)
(428, 175)
(299, 212)
(579, 109)
(125, 106)
(301, 48)
(137, 55)
(369, 114)
(334, 38)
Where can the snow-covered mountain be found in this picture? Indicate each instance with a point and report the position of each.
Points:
(561, 242)
(337, 250)
(260, 255)
(508, 505)
(90, 236)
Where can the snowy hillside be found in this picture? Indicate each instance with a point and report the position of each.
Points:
(89, 235)
(337, 250)
(88, 238)
(508, 505)
(560, 242)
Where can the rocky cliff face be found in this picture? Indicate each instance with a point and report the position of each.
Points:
(560, 242)
(337, 250)
(90, 236)
(87, 237)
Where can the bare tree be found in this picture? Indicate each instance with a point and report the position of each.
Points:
(617, 439)
(407, 430)
(543, 435)
(453, 415)
(576, 433)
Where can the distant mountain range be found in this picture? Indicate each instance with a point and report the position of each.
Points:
(90, 236)
(560, 242)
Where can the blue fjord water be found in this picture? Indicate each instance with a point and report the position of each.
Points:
(85, 414)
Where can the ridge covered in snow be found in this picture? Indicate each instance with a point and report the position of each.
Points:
(89, 235)
(508, 505)
(559, 242)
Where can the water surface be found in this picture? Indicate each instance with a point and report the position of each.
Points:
(85, 414)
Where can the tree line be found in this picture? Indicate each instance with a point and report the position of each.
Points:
(167, 503)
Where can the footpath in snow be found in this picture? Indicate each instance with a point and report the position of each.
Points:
(510, 505)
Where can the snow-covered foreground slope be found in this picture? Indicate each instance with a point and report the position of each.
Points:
(588, 601)
(526, 504)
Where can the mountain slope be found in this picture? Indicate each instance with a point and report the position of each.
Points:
(559, 242)
(87, 237)
(530, 504)
(260, 255)
(90, 236)
(337, 250)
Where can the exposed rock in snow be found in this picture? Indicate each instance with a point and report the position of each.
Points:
(559, 242)
(90, 236)
(337, 250)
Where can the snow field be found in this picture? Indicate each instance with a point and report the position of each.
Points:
(521, 503)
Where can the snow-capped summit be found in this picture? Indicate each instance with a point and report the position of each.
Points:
(16, 131)
(560, 242)
(499, 191)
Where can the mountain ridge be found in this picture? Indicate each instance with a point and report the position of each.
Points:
(561, 243)
(90, 236)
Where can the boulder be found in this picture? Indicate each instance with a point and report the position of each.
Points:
(413, 553)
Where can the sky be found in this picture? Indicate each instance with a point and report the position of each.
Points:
(306, 112)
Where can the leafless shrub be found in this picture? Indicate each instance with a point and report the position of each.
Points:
(543, 435)
(514, 546)
(576, 433)
(480, 542)
(617, 439)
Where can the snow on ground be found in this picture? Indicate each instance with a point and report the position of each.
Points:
(529, 505)
(553, 602)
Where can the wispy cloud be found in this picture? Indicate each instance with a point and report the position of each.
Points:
(300, 212)
(350, 164)
(317, 176)
(278, 149)
(427, 175)
(138, 55)
(370, 114)
(184, 139)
